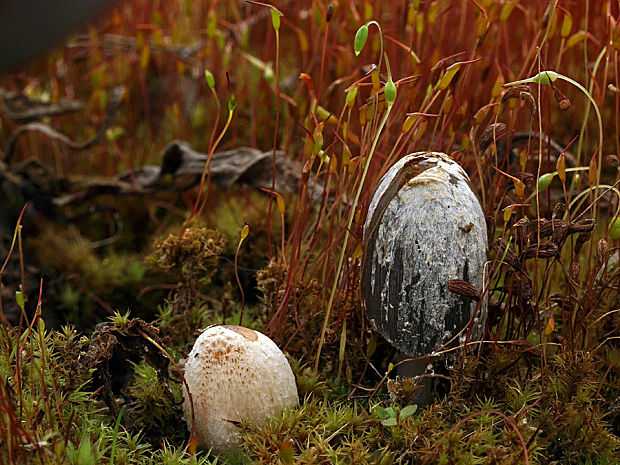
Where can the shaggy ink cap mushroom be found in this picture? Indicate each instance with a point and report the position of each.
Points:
(235, 373)
(424, 227)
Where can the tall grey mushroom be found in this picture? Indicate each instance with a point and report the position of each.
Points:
(424, 228)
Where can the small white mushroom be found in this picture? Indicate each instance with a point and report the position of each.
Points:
(235, 373)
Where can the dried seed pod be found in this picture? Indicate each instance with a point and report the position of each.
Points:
(544, 250)
(573, 271)
(582, 226)
(545, 228)
(612, 160)
(330, 13)
(513, 92)
(494, 132)
(490, 221)
(520, 228)
(414, 245)
(564, 104)
(529, 101)
(601, 249)
(560, 232)
(506, 251)
(527, 291)
(508, 200)
(563, 101)
(558, 210)
(463, 288)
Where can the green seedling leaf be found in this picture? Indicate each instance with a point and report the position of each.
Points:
(567, 24)
(448, 75)
(325, 115)
(351, 94)
(116, 426)
(85, 453)
(390, 92)
(269, 75)
(232, 103)
(211, 25)
(210, 79)
(408, 411)
(360, 39)
(408, 123)
(275, 19)
(380, 412)
(576, 38)
(19, 298)
(544, 181)
(317, 136)
(376, 82)
(391, 412)
(389, 422)
(244, 232)
(544, 77)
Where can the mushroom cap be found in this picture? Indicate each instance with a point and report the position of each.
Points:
(235, 373)
(424, 228)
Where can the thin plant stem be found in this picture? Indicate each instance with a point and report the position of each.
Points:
(244, 233)
(346, 239)
(205, 170)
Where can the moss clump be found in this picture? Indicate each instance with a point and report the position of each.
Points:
(557, 417)
(192, 260)
(51, 413)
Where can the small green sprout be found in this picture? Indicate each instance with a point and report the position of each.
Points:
(391, 416)
(544, 181)
(390, 88)
(19, 298)
(210, 79)
(361, 36)
(120, 320)
(351, 94)
(232, 104)
(275, 18)
(360, 39)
